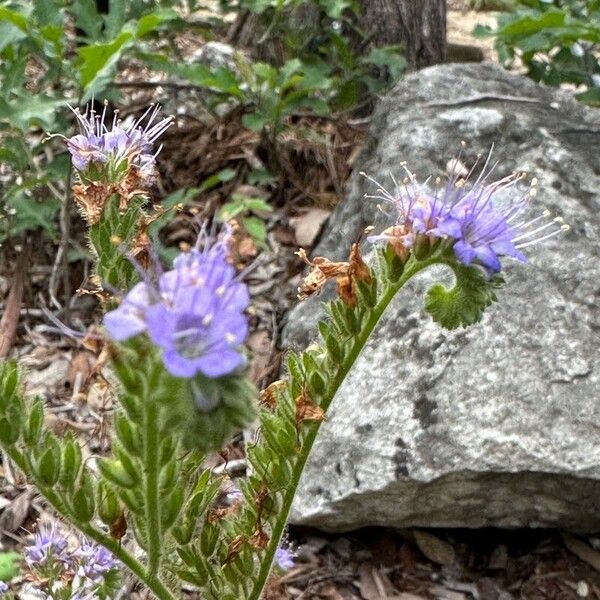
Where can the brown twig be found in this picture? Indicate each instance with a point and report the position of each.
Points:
(12, 309)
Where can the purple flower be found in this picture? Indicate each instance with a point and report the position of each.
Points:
(488, 221)
(3, 588)
(480, 221)
(112, 151)
(95, 561)
(417, 212)
(284, 558)
(195, 314)
(49, 547)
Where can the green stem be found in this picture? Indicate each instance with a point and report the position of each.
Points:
(411, 269)
(152, 471)
(136, 567)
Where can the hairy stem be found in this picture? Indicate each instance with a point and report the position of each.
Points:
(358, 343)
(112, 544)
(152, 472)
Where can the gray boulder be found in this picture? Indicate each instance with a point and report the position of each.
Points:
(498, 424)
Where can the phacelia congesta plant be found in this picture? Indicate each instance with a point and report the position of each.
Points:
(481, 221)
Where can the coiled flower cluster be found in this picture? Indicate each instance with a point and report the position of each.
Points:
(100, 153)
(481, 221)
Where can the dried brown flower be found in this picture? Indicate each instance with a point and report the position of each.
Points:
(307, 410)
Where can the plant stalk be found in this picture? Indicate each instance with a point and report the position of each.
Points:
(412, 268)
(152, 472)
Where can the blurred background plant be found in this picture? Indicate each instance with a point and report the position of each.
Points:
(56, 51)
(557, 41)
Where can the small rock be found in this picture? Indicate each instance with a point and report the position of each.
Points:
(583, 589)
(434, 549)
(308, 226)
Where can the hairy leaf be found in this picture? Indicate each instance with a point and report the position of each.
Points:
(464, 303)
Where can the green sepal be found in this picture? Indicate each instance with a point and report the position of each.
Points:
(209, 538)
(317, 384)
(337, 309)
(139, 530)
(109, 234)
(131, 405)
(168, 448)
(9, 434)
(394, 265)
(367, 293)
(128, 434)
(187, 556)
(325, 329)
(183, 531)
(70, 462)
(171, 508)
(33, 431)
(351, 320)
(84, 504)
(270, 425)
(114, 471)
(190, 577)
(128, 464)
(202, 496)
(133, 500)
(335, 350)
(465, 302)
(10, 378)
(109, 509)
(168, 476)
(48, 467)
(244, 562)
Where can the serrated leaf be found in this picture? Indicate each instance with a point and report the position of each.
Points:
(465, 302)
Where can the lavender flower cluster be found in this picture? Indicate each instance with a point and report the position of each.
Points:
(481, 221)
(52, 558)
(116, 148)
(194, 313)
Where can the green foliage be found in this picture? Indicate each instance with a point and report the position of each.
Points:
(464, 303)
(112, 238)
(243, 209)
(556, 40)
(39, 72)
(319, 69)
(322, 70)
(9, 565)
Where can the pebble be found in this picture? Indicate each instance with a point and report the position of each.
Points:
(583, 589)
